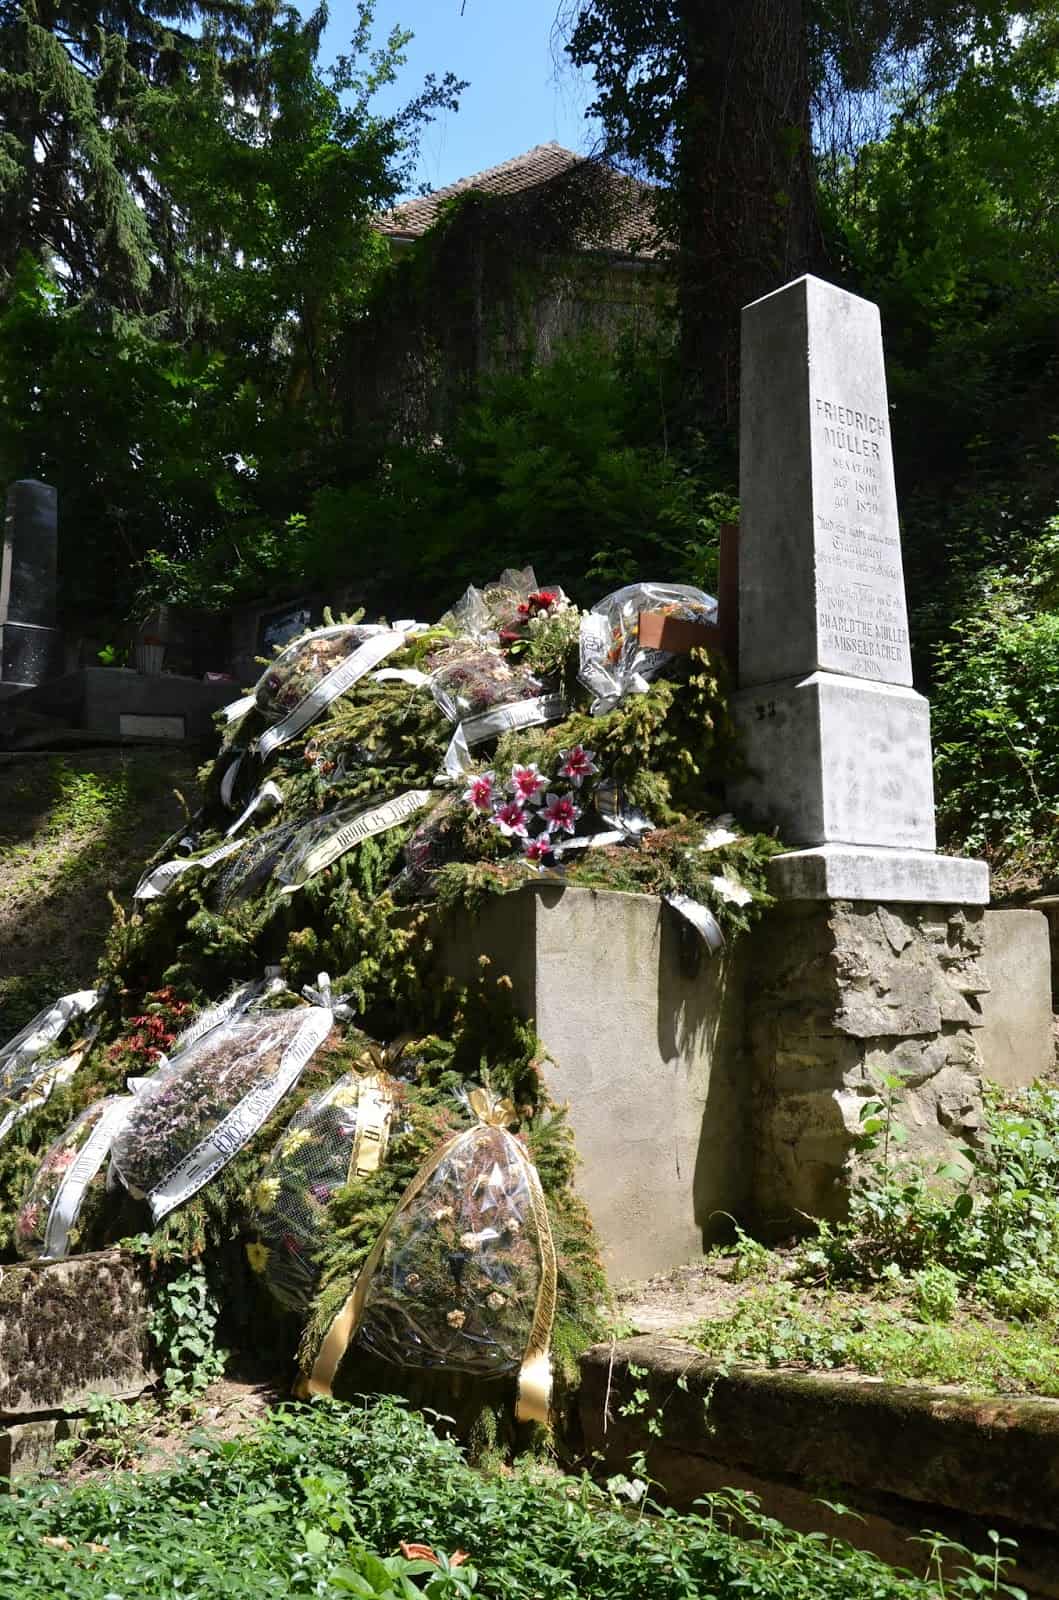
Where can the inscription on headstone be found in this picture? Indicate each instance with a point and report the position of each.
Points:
(820, 535)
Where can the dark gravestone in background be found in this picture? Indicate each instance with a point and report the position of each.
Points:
(30, 645)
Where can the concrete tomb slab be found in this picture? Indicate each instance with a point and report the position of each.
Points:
(1017, 1039)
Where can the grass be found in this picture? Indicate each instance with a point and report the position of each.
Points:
(72, 827)
(782, 1324)
(318, 1500)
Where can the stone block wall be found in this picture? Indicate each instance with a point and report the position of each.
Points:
(843, 993)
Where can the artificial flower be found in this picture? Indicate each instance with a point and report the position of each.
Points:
(578, 764)
(265, 1194)
(536, 849)
(560, 814)
(293, 1142)
(257, 1256)
(527, 783)
(479, 791)
(731, 892)
(511, 820)
(456, 1319)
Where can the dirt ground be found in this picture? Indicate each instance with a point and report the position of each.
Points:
(73, 826)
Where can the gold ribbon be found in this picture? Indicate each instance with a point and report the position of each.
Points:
(374, 1111)
(535, 1374)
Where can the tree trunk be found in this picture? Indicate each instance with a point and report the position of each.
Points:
(745, 190)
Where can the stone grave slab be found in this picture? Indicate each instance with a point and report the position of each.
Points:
(69, 1330)
(120, 702)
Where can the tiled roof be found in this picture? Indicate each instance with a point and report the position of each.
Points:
(630, 226)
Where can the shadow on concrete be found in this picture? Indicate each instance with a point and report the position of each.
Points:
(701, 1012)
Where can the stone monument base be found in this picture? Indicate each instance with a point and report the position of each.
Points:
(122, 704)
(28, 655)
(868, 872)
(831, 758)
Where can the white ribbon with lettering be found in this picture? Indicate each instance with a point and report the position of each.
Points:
(66, 1206)
(336, 682)
(214, 1152)
(379, 820)
(490, 724)
(155, 883)
(44, 1029)
(233, 1005)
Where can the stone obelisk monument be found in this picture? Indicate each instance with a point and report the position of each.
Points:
(837, 741)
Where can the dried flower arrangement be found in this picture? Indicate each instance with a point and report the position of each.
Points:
(179, 1109)
(40, 1228)
(304, 663)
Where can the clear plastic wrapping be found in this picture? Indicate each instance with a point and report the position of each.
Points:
(458, 1278)
(194, 1114)
(435, 841)
(304, 664)
(468, 679)
(252, 867)
(613, 661)
(333, 1139)
(47, 1219)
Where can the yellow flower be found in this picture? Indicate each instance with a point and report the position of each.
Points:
(257, 1255)
(264, 1194)
(294, 1141)
(456, 1319)
(345, 1097)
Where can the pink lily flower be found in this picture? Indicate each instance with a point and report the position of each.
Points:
(479, 792)
(527, 783)
(536, 850)
(560, 814)
(578, 764)
(511, 820)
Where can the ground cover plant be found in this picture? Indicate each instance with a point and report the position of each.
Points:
(370, 1500)
(947, 1276)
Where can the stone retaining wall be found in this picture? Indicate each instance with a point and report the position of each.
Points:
(903, 1457)
(846, 994)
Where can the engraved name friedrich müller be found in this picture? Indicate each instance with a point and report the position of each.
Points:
(857, 432)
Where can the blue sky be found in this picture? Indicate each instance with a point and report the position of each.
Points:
(520, 91)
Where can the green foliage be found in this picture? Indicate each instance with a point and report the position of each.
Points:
(300, 1506)
(184, 1317)
(567, 461)
(996, 731)
(206, 406)
(992, 1221)
(915, 1341)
